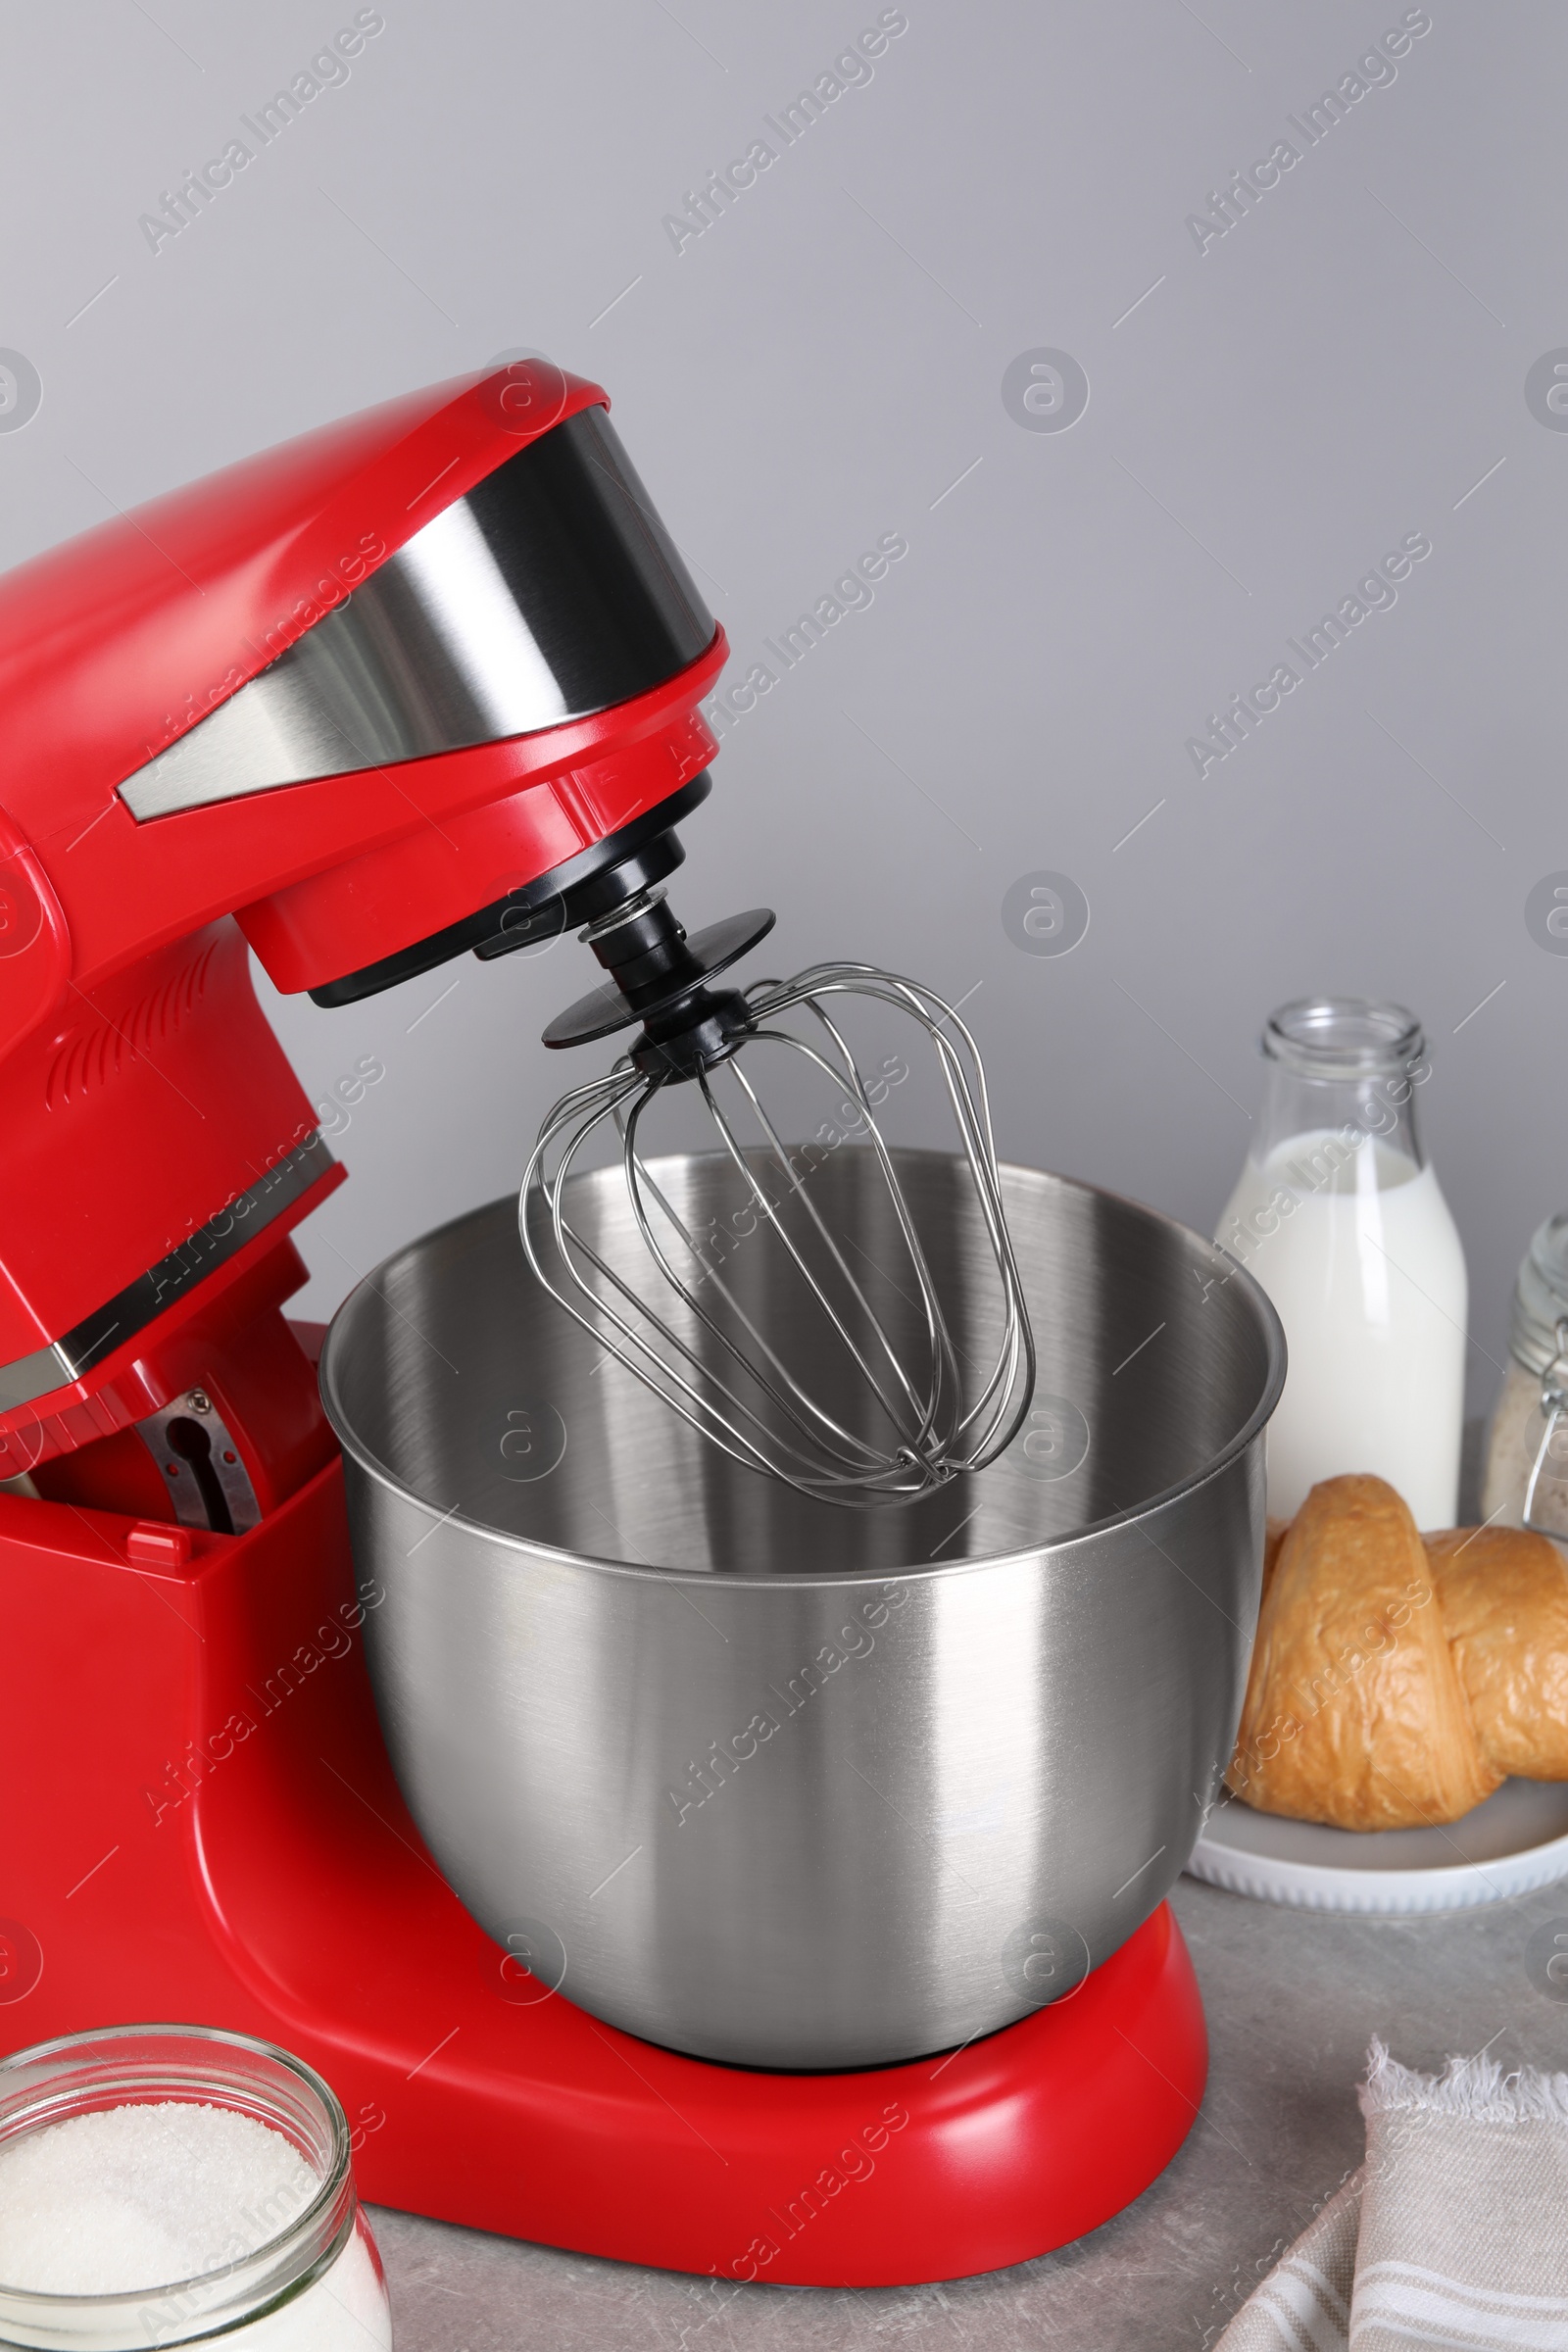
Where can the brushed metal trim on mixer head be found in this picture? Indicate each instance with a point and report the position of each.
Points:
(29, 1377)
(551, 591)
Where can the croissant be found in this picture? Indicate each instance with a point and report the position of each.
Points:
(1355, 1713)
(1503, 1595)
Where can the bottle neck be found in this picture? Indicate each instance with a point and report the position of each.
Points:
(1344, 1079)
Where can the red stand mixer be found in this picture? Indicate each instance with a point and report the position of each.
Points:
(424, 682)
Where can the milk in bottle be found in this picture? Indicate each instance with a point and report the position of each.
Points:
(1339, 1216)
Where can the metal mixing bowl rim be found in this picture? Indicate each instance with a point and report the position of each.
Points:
(531, 1548)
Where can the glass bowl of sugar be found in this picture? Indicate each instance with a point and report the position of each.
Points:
(160, 2183)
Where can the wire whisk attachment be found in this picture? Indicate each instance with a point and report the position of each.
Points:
(818, 1331)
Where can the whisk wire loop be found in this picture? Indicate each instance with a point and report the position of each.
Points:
(917, 1435)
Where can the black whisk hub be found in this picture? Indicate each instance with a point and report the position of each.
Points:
(660, 977)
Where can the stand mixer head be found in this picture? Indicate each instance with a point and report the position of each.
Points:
(425, 683)
(878, 1400)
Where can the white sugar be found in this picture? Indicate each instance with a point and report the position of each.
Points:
(142, 2196)
(138, 2199)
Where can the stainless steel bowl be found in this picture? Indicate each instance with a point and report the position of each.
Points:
(771, 1782)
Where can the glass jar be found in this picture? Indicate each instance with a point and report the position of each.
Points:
(1526, 1481)
(314, 2286)
(1339, 1215)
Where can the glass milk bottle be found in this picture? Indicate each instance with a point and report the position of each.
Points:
(1339, 1216)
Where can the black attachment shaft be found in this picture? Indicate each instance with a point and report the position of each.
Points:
(660, 977)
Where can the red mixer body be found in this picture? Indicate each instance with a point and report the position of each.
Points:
(142, 1093)
(197, 1816)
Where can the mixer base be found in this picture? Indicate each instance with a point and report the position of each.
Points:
(200, 1824)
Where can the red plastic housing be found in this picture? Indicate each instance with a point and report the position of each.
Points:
(116, 644)
(142, 1091)
(199, 1823)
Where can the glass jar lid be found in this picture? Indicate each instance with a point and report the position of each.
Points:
(1540, 1297)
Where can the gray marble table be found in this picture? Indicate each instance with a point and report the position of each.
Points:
(1293, 1999)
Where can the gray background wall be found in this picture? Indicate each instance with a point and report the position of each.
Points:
(825, 365)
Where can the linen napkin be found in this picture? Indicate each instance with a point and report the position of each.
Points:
(1454, 2233)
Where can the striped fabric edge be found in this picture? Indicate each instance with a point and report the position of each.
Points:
(1302, 2305)
(1425, 2307)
